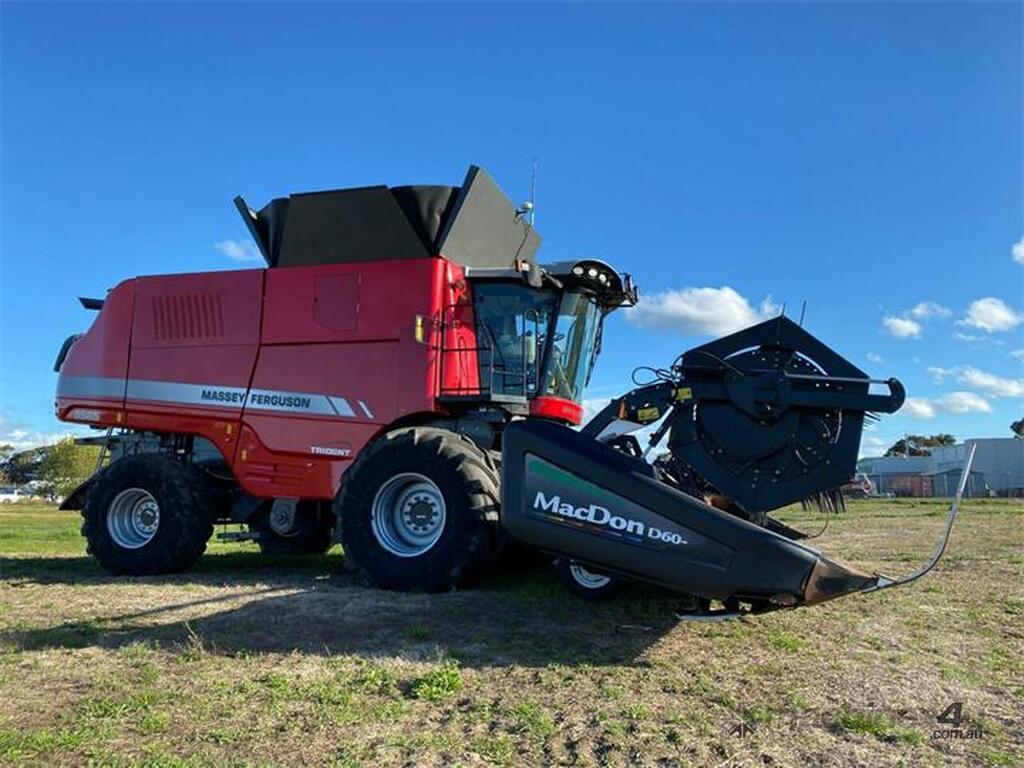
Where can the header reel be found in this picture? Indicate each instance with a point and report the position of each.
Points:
(767, 416)
(776, 416)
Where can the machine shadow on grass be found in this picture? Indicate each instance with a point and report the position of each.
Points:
(519, 614)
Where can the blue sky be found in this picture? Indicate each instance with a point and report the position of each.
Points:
(863, 157)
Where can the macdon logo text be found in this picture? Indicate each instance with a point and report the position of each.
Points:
(601, 516)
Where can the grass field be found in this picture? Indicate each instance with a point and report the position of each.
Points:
(253, 661)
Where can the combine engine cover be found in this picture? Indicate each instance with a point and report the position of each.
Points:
(767, 417)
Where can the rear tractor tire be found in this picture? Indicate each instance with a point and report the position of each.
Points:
(419, 510)
(148, 514)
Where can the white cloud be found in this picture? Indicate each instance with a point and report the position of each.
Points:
(872, 446)
(953, 403)
(919, 408)
(875, 358)
(238, 250)
(909, 324)
(902, 327)
(21, 439)
(939, 374)
(1017, 353)
(968, 337)
(991, 384)
(1018, 251)
(991, 315)
(963, 402)
(594, 405)
(926, 310)
(699, 311)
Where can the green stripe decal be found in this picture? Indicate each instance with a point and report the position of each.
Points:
(551, 472)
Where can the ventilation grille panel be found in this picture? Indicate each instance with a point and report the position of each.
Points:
(187, 316)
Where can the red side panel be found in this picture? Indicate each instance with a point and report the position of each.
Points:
(346, 349)
(91, 384)
(194, 343)
(362, 301)
(339, 361)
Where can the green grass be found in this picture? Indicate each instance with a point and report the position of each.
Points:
(439, 683)
(495, 749)
(781, 640)
(29, 527)
(878, 725)
(257, 661)
(17, 745)
(532, 719)
(36, 528)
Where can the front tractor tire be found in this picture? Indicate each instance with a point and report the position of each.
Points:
(148, 514)
(419, 510)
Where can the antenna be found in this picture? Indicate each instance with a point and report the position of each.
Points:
(803, 309)
(527, 208)
(533, 192)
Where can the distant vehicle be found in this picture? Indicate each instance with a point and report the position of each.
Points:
(10, 494)
(859, 487)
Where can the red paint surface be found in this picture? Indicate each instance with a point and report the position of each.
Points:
(340, 330)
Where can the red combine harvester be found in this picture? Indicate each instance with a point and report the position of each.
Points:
(403, 377)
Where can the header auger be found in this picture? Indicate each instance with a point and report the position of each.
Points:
(403, 378)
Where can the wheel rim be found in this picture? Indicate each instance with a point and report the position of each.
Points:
(408, 514)
(588, 579)
(133, 518)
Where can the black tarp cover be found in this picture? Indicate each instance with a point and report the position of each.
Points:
(475, 225)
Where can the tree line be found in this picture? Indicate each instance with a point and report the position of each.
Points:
(55, 469)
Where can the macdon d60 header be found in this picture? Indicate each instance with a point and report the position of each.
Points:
(403, 377)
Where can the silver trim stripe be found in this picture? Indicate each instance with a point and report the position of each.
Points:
(89, 386)
(342, 407)
(179, 392)
(210, 395)
(271, 400)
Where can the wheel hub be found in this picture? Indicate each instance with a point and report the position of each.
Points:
(133, 518)
(408, 514)
(421, 515)
(586, 578)
(282, 516)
